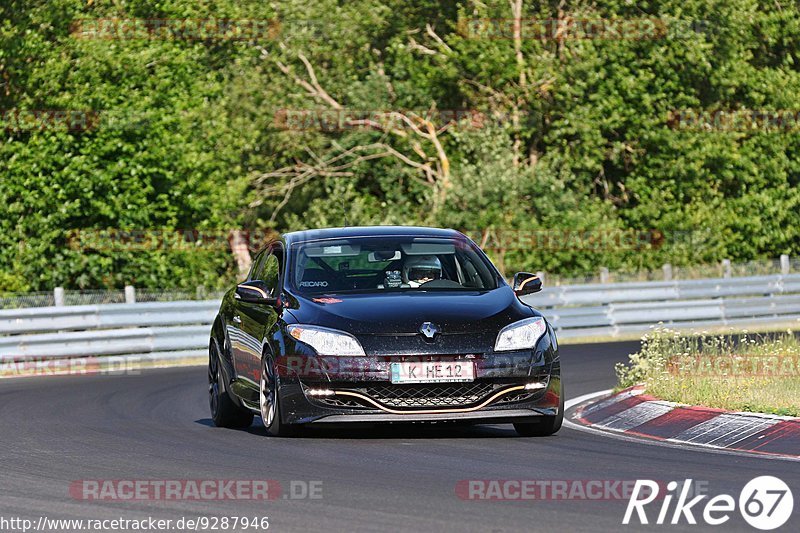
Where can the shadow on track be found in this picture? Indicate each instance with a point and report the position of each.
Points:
(393, 431)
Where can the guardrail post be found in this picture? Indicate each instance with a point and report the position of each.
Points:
(667, 268)
(726, 268)
(58, 296)
(200, 292)
(603, 275)
(130, 294)
(784, 264)
(540, 274)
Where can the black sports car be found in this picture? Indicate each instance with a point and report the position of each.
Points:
(382, 324)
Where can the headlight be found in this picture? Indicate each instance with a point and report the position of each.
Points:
(326, 341)
(520, 335)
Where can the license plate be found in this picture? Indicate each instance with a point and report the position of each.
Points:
(433, 372)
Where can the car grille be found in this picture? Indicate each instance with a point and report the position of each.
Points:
(431, 395)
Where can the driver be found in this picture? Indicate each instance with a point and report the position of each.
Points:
(421, 269)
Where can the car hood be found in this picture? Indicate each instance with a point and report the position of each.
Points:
(404, 312)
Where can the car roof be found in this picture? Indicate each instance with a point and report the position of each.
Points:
(368, 231)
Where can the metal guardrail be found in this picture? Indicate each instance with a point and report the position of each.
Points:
(106, 316)
(181, 329)
(621, 308)
(109, 329)
(60, 297)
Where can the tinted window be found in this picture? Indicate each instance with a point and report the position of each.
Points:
(381, 264)
(257, 268)
(271, 274)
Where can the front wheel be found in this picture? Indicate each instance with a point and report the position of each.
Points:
(269, 402)
(224, 412)
(548, 426)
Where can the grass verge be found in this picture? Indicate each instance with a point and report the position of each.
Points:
(741, 372)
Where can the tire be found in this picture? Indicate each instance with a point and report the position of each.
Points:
(224, 412)
(269, 402)
(548, 426)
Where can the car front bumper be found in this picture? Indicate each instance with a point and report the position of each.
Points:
(366, 395)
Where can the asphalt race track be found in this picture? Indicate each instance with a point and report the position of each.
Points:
(58, 430)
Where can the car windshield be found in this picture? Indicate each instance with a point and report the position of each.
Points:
(389, 263)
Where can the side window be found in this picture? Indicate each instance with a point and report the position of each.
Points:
(271, 273)
(278, 252)
(256, 267)
(472, 275)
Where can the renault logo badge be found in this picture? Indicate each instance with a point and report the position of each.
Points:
(428, 329)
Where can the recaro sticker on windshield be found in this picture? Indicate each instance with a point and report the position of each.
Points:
(313, 283)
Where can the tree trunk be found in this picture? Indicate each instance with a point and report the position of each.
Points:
(241, 252)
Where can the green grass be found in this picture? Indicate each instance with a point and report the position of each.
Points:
(738, 372)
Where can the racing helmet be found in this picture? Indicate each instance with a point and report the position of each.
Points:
(419, 267)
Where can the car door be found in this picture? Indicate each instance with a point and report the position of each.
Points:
(255, 320)
(233, 319)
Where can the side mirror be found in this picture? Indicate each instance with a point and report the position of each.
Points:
(526, 283)
(255, 292)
